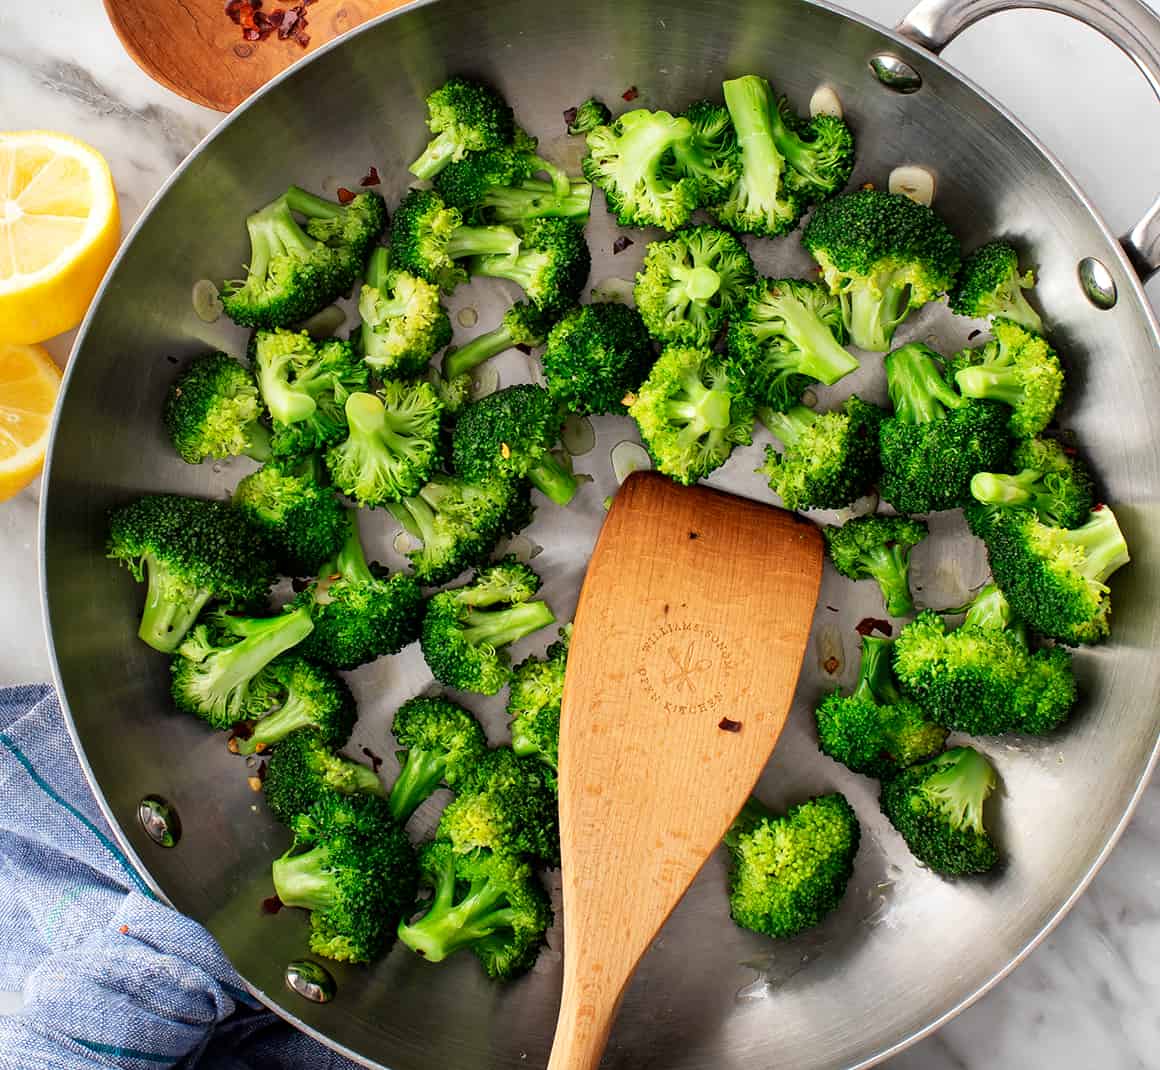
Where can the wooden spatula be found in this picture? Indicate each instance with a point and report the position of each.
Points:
(685, 653)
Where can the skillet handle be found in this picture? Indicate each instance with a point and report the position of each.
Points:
(1129, 24)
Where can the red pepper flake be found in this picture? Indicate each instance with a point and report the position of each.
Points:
(371, 178)
(630, 93)
(345, 196)
(526, 350)
(124, 930)
(271, 905)
(727, 724)
(831, 664)
(1099, 507)
(621, 244)
(376, 761)
(569, 116)
(242, 730)
(262, 772)
(869, 625)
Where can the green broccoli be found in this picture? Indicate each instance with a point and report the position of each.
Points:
(465, 116)
(938, 808)
(440, 741)
(192, 552)
(588, 116)
(523, 324)
(1056, 487)
(499, 186)
(536, 199)
(761, 201)
(537, 690)
(466, 628)
(305, 385)
(884, 255)
(217, 673)
(1016, 367)
(631, 160)
(213, 411)
(551, 265)
(690, 284)
(787, 336)
(297, 269)
(304, 695)
(982, 678)
(302, 520)
(488, 901)
(691, 411)
(991, 285)
(303, 768)
(878, 548)
(1056, 578)
(510, 434)
(709, 156)
(789, 872)
(403, 323)
(876, 731)
(360, 611)
(354, 869)
(936, 440)
(819, 152)
(392, 445)
(460, 523)
(829, 458)
(596, 355)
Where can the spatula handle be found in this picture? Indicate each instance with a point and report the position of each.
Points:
(586, 1014)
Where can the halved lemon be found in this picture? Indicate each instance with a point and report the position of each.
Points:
(29, 384)
(59, 229)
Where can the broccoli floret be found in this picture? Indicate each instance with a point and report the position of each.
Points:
(760, 201)
(981, 678)
(499, 187)
(1055, 578)
(596, 355)
(691, 411)
(537, 690)
(819, 152)
(632, 160)
(460, 523)
(305, 385)
(876, 731)
(303, 695)
(465, 116)
(193, 552)
(884, 255)
(589, 115)
(788, 335)
(991, 285)
(789, 872)
(878, 548)
(535, 199)
(296, 269)
(302, 520)
(354, 869)
(829, 458)
(216, 672)
(360, 611)
(938, 808)
(487, 901)
(441, 742)
(523, 324)
(1016, 367)
(392, 445)
(691, 284)
(213, 410)
(510, 434)
(709, 155)
(303, 768)
(403, 323)
(551, 265)
(1056, 487)
(465, 629)
(936, 440)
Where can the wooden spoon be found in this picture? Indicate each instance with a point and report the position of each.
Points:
(685, 653)
(194, 48)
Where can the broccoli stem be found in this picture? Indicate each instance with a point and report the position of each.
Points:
(165, 621)
(995, 488)
(482, 241)
(448, 926)
(553, 480)
(438, 154)
(305, 880)
(520, 269)
(259, 438)
(499, 627)
(1013, 305)
(917, 390)
(701, 409)
(1104, 546)
(873, 308)
(307, 204)
(751, 107)
(263, 641)
(378, 266)
(415, 515)
(890, 566)
(989, 609)
(482, 347)
(790, 425)
(1000, 384)
(290, 716)
(822, 356)
(537, 200)
(875, 674)
(419, 776)
(961, 787)
(351, 562)
(286, 405)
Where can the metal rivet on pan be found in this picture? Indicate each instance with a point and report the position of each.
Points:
(310, 981)
(159, 820)
(1098, 285)
(895, 73)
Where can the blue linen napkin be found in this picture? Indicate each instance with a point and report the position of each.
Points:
(110, 977)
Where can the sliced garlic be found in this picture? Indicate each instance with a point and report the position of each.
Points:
(578, 435)
(325, 323)
(628, 457)
(914, 182)
(484, 381)
(207, 303)
(612, 290)
(825, 102)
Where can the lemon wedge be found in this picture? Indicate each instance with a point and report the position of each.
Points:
(29, 384)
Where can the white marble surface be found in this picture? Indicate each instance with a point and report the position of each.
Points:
(1090, 996)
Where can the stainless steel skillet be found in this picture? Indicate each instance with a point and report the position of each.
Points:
(906, 950)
